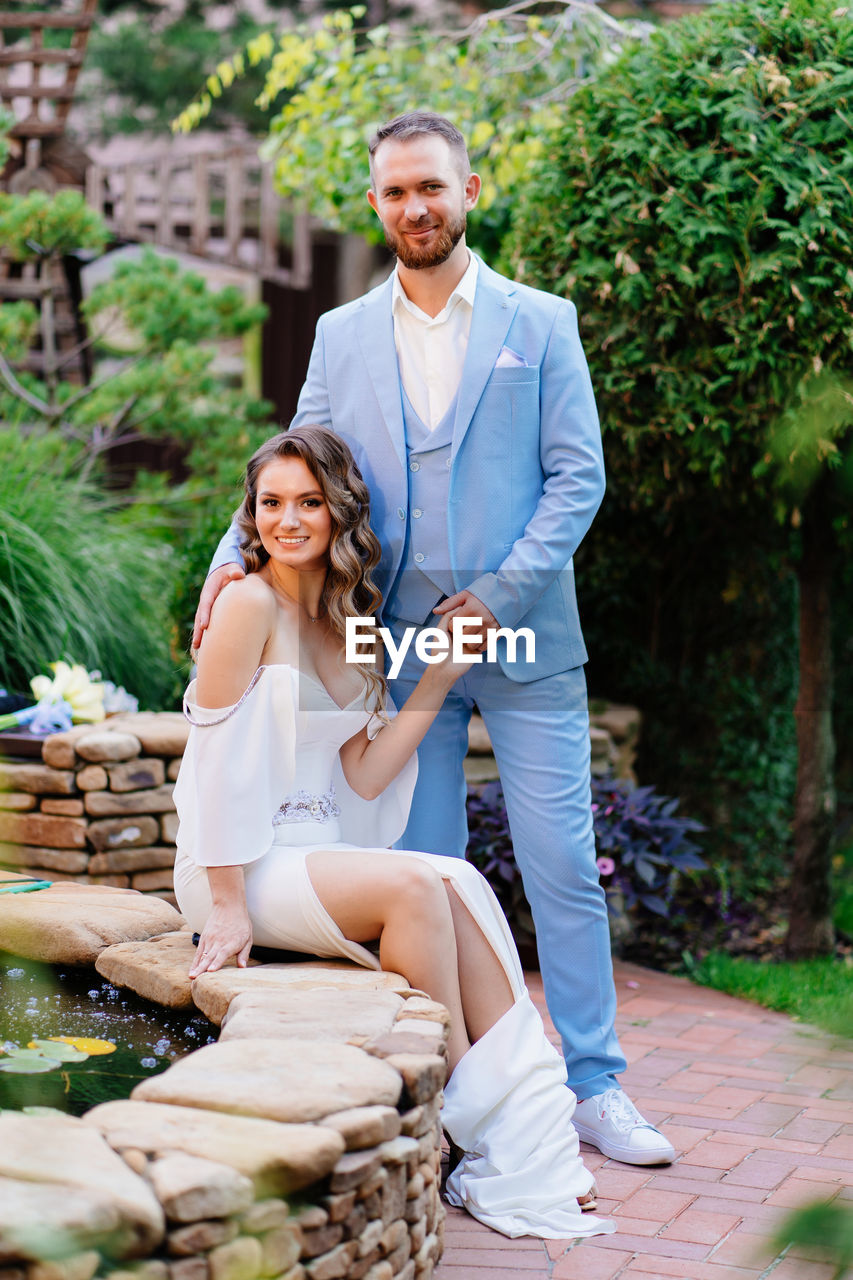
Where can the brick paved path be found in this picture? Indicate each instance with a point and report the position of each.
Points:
(761, 1110)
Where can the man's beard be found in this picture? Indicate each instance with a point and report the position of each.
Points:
(417, 257)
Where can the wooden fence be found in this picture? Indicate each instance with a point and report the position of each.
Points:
(219, 205)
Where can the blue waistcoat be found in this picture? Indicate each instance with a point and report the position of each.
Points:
(424, 575)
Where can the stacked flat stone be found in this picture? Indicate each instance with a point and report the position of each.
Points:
(99, 807)
(304, 1145)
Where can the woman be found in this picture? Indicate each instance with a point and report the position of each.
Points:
(291, 750)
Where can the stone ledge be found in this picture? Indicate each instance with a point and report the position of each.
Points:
(179, 1183)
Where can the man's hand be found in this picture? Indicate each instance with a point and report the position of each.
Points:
(214, 583)
(466, 605)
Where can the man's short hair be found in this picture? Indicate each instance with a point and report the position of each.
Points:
(414, 124)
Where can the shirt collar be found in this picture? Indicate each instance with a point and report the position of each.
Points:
(464, 292)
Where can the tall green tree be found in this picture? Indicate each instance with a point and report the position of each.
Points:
(696, 202)
(503, 78)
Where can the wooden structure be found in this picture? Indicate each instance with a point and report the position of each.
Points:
(220, 205)
(37, 82)
(48, 89)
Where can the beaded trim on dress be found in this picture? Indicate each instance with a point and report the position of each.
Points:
(302, 806)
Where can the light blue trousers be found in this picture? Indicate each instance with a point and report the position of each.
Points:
(540, 736)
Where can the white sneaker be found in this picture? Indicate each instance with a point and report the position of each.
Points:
(611, 1122)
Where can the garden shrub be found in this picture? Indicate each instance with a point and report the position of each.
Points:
(643, 849)
(694, 202)
(78, 580)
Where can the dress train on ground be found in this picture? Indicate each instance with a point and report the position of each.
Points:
(509, 1109)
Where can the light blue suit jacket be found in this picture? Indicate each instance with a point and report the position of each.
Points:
(527, 474)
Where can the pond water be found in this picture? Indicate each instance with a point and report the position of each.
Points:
(39, 1001)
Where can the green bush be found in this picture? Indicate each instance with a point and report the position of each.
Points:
(694, 201)
(79, 579)
(710, 658)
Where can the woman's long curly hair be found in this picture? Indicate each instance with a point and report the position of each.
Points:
(354, 551)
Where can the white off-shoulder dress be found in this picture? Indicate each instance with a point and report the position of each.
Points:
(261, 785)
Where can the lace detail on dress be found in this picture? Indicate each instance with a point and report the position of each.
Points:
(302, 806)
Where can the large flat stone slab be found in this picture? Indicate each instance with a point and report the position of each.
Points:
(53, 1164)
(324, 1015)
(73, 923)
(156, 968)
(161, 733)
(279, 1158)
(290, 1081)
(44, 1221)
(213, 992)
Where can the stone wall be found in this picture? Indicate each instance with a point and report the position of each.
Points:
(303, 1145)
(98, 808)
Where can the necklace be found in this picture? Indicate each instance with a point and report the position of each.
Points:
(280, 589)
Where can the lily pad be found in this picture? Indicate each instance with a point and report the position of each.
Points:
(28, 1066)
(25, 1055)
(58, 1050)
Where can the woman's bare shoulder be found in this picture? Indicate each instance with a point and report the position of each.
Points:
(242, 594)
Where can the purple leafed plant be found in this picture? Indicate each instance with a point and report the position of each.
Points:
(641, 843)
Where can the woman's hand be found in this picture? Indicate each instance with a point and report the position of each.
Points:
(462, 652)
(227, 933)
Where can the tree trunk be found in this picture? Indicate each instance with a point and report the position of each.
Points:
(810, 929)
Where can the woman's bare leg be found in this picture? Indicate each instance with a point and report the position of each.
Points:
(484, 986)
(402, 902)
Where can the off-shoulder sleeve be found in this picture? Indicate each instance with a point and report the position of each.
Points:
(238, 763)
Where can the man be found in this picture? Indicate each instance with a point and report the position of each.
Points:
(467, 403)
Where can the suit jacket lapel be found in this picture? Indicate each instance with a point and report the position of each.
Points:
(376, 339)
(494, 310)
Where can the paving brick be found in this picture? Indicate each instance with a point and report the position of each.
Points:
(697, 1082)
(495, 1257)
(617, 1183)
(718, 1155)
(775, 1113)
(799, 1191)
(628, 1226)
(841, 1146)
(450, 1271)
(745, 1248)
(697, 1227)
(657, 1247)
(685, 1168)
(664, 1268)
(643, 1007)
(754, 1073)
(833, 1177)
(763, 1219)
(755, 1172)
(590, 1262)
(734, 1100)
(800, 1269)
(722, 1190)
(660, 1206)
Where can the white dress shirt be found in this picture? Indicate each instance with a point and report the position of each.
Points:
(431, 349)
